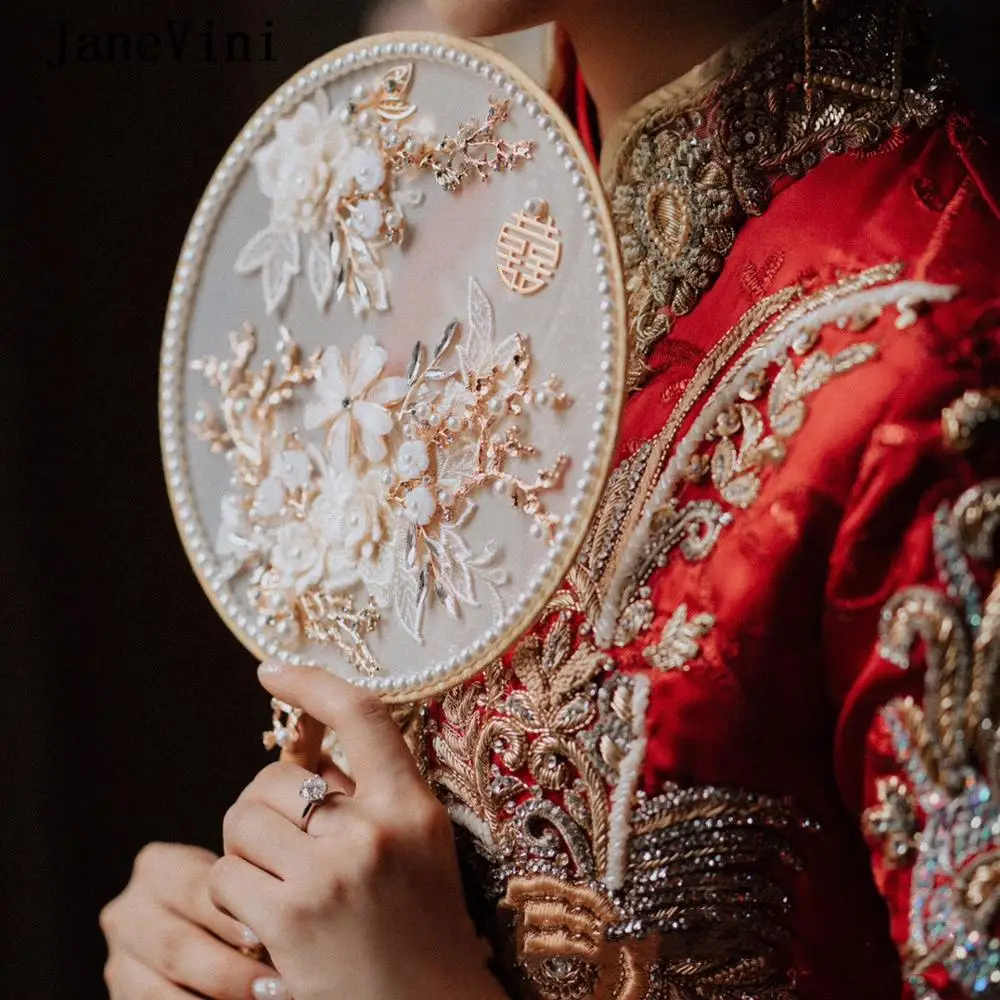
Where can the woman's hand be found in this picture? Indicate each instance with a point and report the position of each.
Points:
(368, 903)
(166, 938)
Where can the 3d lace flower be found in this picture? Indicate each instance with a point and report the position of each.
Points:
(349, 481)
(341, 180)
(352, 404)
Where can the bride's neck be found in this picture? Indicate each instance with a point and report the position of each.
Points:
(628, 48)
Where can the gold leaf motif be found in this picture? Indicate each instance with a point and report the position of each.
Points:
(557, 644)
(735, 469)
(679, 643)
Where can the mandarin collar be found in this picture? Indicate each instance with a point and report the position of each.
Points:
(689, 88)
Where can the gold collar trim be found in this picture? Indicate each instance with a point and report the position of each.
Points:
(686, 89)
(702, 155)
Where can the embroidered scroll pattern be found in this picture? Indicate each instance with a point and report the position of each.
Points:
(608, 892)
(741, 430)
(942, 816)
(686, 180)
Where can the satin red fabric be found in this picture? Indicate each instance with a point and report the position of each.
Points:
(785, 694)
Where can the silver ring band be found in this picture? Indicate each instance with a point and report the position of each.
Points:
(314, 790)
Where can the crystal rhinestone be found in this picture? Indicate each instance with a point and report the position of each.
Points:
(314, 789)
(559, 968)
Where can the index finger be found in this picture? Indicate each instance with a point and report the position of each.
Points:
(373, 746)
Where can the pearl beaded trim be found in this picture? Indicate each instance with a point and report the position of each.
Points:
(514, 86)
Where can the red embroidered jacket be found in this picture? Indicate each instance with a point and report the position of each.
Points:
(749, 749)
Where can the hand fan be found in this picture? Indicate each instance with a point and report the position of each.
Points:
(392, 364)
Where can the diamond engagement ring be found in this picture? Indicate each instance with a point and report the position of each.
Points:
(314, 790)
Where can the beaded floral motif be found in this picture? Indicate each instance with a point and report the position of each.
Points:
(610, 893)
(371, 490)
(686, 180)
(680, 642)
(744, 428)
(341, 179)
(950, 754)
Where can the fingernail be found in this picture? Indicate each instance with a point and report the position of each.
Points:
(249, 938)
(269, 989)
(271, 667)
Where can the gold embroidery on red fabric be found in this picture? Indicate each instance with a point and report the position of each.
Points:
(612, 893)
(759, 404)
(948, 748)
(735, 469)
(685, 180)
(621, 506)
(680, 642)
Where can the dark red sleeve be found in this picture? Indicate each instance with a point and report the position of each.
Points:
(912, 652)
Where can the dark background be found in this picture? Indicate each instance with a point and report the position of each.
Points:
(130, 713)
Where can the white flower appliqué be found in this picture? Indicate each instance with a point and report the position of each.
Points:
(303, 170)
(341, 179)
(353, 519)
(371, 492)
(419, 504)
(352, 404)
(412, 459)
(291, 471)
(298, 556)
